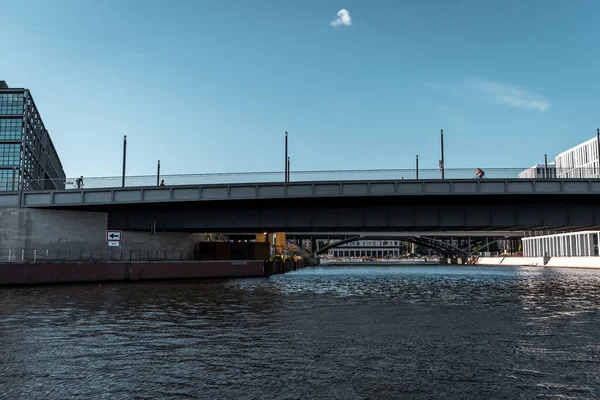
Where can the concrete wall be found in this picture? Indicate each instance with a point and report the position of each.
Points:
(23, 273)
(559, 262)
(13, 228)
(490, 260)
(523, 261)
(43, 229)
(514, 261)
(574, 262)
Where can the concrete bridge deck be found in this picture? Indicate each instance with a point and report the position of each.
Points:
(74, 198)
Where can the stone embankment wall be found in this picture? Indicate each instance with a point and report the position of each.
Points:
(59, 229)
(563, 262)
(490, 260)
(515, 261)
(574, 262)
(28, 273)
(47, 273)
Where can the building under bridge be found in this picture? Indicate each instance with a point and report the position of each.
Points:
(368, 248)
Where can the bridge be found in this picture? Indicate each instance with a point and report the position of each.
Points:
(398, 205)
(441, 247)
(436, 240)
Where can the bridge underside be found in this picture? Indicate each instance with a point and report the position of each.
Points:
(363, 214)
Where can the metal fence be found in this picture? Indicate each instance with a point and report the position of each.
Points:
(91, 255)
(297, 176)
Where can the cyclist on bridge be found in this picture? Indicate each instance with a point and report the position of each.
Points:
(480, 173)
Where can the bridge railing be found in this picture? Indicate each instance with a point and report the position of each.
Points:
(92, 255)
(295, 176)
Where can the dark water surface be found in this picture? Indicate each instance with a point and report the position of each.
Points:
(323, 333)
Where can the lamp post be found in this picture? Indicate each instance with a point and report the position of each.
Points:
(545, 165)
(442, 166)
(286, 160)
(158, 174)
(417, 166)
(124, 159)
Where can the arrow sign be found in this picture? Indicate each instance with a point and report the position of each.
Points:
(113, 236)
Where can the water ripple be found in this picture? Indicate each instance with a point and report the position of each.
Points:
(322, 333)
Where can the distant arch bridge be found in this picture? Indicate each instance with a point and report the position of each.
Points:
(441, 247)
(434, 242)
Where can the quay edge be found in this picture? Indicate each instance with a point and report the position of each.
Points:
(50, 273)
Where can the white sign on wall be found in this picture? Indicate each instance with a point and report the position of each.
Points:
(113, 236)
(113, 244)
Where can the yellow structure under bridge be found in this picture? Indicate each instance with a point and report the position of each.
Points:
(277, 238)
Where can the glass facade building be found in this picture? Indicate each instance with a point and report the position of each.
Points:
(28, 159)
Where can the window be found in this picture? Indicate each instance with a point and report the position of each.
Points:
(6, 180)
(11, 128)
(12, 103)
(10, 154)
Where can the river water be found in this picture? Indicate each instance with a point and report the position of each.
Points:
(319, 333)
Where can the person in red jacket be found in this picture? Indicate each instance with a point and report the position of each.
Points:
(480, 173)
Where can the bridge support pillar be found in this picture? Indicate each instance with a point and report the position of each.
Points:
(469, 248)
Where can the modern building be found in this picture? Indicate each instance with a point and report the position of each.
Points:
(580, 161)
(574, 244)
(368, 248)
(28, 159)
(539, 171)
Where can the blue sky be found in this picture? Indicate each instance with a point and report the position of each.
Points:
(211, 86)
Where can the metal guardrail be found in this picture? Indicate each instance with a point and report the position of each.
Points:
(295, 176)
(91, 255)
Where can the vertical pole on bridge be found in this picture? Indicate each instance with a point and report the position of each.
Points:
(545, 165)
(288, 170)
(124, 159)
(158, 174)
(286, 157)
(417, 166)
(442, 166)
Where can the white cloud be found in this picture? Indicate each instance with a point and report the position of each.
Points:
(502, 93)
(482, 90)
(342, 19)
